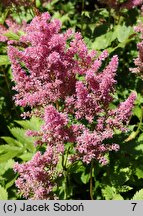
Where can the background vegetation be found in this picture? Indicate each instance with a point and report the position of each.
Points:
(102, 27)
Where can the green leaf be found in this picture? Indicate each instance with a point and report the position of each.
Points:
(20, 135)
(54, 2)
(62, 18)
(26, 157)
(139, 147)
(4, 60)
(6, 165)
(139, 173)
(140, 138)
(124, 188)
(85, 177)
(103, 41)
(38, 3)
(138, 195)
(117, 197)
(138, 112)
(11, 141)
(108, 192)
(119, 177)
(7, 148)
(12, 36)
(4, 15)
(9, 153)
(3, 193)
(104, 12)
(123, 32)
(139, 99)
(33, 124)
(11, 182)
(77, 167)
(86, 13)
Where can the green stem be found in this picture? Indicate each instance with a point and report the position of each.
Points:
(91, 183)
(67, 157)
(64, 165)
(9, 91)
(66, 186)
(82, 5)
(82, 9)
(135, 133)
(35, 9)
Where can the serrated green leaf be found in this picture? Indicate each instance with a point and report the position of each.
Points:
(138, 195)
(108, 192)
(20, 135)
(6, 156)
(11, 141)
(3, 193)
(117, 197)
(4, 60)
(7, 148)
(119, 177)
(9, 152)
(33, 124)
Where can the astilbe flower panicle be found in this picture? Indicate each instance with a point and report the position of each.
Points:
(139, 60)
(21, 3)
(50, 68)
(62, 82)
(128, 4)
(17, 3)
(119, 117)
(36, 179)
(11, 27)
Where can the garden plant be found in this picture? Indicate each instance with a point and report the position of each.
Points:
(71, 99)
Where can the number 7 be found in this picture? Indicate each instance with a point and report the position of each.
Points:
(134, 205)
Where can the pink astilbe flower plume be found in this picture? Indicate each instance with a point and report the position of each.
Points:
(62, 82)
(128, 4)
(36, 176)
(119, 117)
(50, 69)
(12, 27)
(131, 3)
(139, 60)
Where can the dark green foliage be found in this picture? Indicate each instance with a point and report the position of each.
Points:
(102, 28)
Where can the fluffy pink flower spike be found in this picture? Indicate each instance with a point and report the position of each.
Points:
(61, 80)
